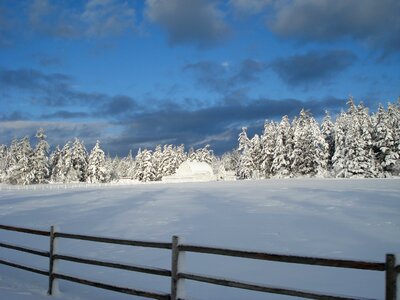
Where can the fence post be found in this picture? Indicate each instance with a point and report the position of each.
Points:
(51, 261)
(174, 267)
(391, 277)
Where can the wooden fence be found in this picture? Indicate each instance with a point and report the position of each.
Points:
(389, 266)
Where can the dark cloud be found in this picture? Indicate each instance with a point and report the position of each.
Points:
(63, 114)
(249, 71)
(225, 78)
(249, 7)
(198, 22)
(52, 89)
(313, 66)
(217, 125)
(56, 90)
(372, 22)
(14, 116)
(118, 105)
(58, 133)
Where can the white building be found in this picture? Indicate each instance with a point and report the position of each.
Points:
(192, 171)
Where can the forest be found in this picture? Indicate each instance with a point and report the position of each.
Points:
(357, 144)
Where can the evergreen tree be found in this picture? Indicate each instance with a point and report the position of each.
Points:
(168, 161)
(310, 151)
(97, 168)
(204, 154)
(20, 170)
(256, 155)
(246, 164)
(230, 160)
(268, 141)
(126, 166)
(354, 156)
(40, 159)
(328, 132)
(3, 162)
(144, 167)
(63, 171)
(79, 159)
(283, 148)
(157, 159)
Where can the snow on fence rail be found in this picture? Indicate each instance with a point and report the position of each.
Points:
(389, 266)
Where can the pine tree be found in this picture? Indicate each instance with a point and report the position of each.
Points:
(328, 132)
(268, 142)
(63, 171)
(354, 156)
(204, 154)
(97, 168)
(144, 167)
(147, 166)
(157, 163)
(283, 148)
(54, 158)
(79, 159)
(3, 162)
(20, 170)
(310, 151)
(40, 159)
(392, 160)
(230, 160)
(126, 166)
(246, 164)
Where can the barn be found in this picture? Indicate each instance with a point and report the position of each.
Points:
(192, 171)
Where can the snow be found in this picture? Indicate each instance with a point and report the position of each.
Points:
(340, 218)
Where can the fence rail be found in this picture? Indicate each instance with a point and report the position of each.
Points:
(390, 267)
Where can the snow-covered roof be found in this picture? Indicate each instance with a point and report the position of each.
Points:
(192, 171)
(192, 167)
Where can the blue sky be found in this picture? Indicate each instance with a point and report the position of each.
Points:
(141, 73)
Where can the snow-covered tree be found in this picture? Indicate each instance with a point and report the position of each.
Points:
(230, 160)
(157, 159)
(256, 154)
(40, 159)
(63, 171)
(246, 165)
(168, 164)
(126, 166)
(54, 159)
(97, 168)
(204, 154)
(328, 132)
(79, 159)
(310, 151)
(268, 141)
(144, 166)
(20, 170)
(283, 148)
(354, 156)
(3, 162)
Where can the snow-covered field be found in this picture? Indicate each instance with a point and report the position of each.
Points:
(353, 219)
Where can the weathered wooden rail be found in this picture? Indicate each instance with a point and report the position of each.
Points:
(389, 266)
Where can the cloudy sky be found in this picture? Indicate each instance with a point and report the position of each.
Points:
(136, 73)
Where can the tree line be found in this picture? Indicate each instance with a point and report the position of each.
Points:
(356, 144)
(20, 163)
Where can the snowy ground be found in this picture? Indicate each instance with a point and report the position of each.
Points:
(353, 219)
